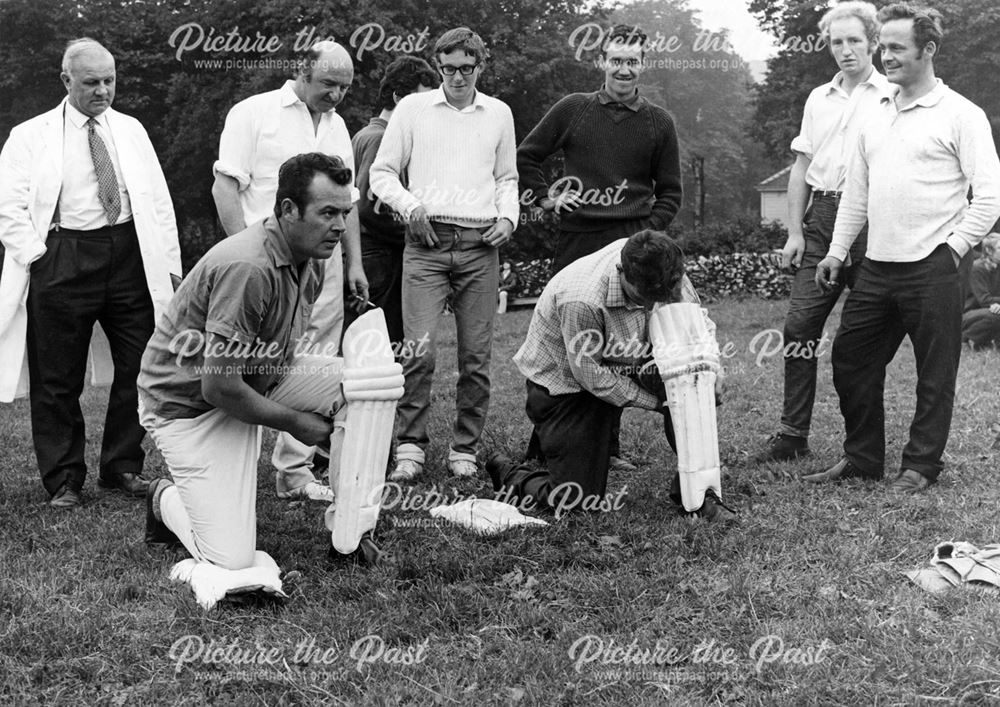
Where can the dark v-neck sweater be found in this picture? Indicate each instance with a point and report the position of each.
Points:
(625, 159)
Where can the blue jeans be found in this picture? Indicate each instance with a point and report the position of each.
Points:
(465, 268)
(921, 300)
(808, 310)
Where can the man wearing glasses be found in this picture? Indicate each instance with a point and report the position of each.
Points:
(457, 148)
(622, 163)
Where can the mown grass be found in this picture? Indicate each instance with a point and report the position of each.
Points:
(88, 615)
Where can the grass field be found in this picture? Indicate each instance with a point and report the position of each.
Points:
(803, 601)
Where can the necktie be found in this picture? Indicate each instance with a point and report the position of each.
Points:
(107, 183)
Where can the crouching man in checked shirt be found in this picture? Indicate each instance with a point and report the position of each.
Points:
(585, 357)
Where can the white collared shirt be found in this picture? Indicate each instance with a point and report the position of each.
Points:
(461, 164)
(831, 120)
(263, 131)
(79, 205)
(910, 174)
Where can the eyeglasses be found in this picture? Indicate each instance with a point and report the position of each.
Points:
(630, 63)
(449, 70)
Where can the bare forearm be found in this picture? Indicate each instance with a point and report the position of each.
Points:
(225, 192)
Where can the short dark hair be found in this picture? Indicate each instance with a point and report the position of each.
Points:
(653, 263)
(298, 172)
(623, 36)
(927, 25)
(461, 38)
(402, 77)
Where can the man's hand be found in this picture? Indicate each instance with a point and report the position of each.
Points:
(357, 281)
(498, 233)
(419, 229)
(955, 256)
(564, 202)
(828, 272)
(311, 429)
(795, 248)
(995, 308)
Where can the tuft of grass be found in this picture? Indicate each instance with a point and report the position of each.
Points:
(802, 602)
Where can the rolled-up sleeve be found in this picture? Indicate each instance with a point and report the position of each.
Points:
(236, 146)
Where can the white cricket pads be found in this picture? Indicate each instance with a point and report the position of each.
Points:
(373, 382)
(687, 356)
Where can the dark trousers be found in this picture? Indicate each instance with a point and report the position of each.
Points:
(808, 310)
(573, 245)
(921, 300)
(573, 437)
(86, 277)
(981, 327)
(384, 270)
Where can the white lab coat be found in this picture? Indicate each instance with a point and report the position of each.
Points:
(31, 168)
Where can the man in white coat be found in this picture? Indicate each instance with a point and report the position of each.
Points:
(89, 232)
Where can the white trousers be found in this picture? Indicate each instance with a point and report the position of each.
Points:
(291, 458)
(213, 461)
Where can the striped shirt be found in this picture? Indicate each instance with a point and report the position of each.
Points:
(586, 335)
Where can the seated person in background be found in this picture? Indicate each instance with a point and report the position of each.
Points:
(585, 357)
(508, 284)
(220, 365)
(981, 321)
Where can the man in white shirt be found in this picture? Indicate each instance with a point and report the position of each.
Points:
(457, 148)
(89, 233)
(833, 115)
(261, 132)
(910, 177)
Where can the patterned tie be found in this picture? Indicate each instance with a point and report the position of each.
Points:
(107, 183)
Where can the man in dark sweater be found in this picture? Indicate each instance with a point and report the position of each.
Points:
(382, 231)
(622, 163)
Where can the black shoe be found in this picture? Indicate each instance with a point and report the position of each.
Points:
(367, 553)
(65, 498)
(131, 484)
(714, 510)
(844, 469)
(157, 532)
(497, 466)
(782, 447)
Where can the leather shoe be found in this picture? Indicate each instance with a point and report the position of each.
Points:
(132, 484)
(714, 510)
(65, 498)
(497, 466)
(782, 448)
(157, 532)
(910, 481)
(844, 469)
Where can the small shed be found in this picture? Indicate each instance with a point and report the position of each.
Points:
(774, 196)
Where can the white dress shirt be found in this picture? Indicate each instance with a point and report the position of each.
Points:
(263, 131)
(79, 206)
